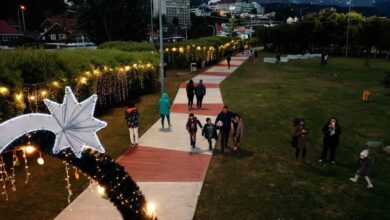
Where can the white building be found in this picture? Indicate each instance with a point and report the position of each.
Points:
(172, 9)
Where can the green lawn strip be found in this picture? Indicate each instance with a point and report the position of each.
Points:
(261, 181)
(45, 195)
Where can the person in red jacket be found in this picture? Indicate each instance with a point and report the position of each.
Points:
(192, 128)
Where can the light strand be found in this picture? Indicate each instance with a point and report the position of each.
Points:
(3, 178)
(67, 179)
(26, 166)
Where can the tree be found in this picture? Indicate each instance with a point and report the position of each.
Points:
(107, 20)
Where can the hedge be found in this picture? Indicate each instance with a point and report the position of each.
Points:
(128, 46)
(29, 76)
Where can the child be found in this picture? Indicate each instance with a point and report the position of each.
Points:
(210, 132)
(131, 116)
(364, 162)
(192, 128)
(237, 129)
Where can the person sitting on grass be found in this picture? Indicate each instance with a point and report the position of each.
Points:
(237, 128)
(192, 128)
(363, 170)
(210, 132)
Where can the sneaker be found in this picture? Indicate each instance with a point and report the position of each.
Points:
(353, 180)
(136, 144)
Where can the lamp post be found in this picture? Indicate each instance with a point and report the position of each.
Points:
(23, 8)
(151, 21)
(348, 21)
(161, 46)
(232, 8)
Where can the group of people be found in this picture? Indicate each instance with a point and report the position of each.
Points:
(331, 138)
(199, 90)
(228, 124)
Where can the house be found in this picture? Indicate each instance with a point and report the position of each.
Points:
(8, 32)
(56, 30)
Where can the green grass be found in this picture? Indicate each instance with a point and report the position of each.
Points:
(262, 182)
(45, 196)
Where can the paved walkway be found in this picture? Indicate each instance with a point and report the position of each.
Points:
(169, 172)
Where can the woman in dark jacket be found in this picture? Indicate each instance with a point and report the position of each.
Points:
(300, 132)
(332, 132)
(131, 116)
(190, 93)
(200, 92)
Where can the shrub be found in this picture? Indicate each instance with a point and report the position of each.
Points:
(127, 46)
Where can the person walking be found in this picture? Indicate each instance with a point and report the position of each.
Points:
(237, 128)
(190, 88)
(300, 132)
(223, 123)
(192, 128)
(132, 116)
(332, 132)
(210, 132)
(164, 106)
(200, 92)
(363, 170)
(228, 58)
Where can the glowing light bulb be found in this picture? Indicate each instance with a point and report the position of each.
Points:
(40, 161)
(32, 98)
(29, 149)
(56, 84)
(101, 190)
(19, 97)
(83, 80)
(150, 208)
(43, 93)
(4, 90)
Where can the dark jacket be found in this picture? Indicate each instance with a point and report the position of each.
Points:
(209, 131)
(131, 116)
(192, 124)
(301, 131)
(364, 166)
(190, 89)
(226, 119)
(200, 89)
(331, 136)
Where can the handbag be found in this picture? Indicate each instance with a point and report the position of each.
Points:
(294, 141)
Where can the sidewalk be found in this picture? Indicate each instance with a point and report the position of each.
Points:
(168, 171)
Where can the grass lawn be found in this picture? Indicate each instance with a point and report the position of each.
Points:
(262, 182)
(45, 196)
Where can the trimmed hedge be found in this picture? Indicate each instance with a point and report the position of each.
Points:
(116, 76)
(128, 46)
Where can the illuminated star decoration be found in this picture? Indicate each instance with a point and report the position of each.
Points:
(77, 126)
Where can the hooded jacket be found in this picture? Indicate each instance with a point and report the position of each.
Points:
(164, 104)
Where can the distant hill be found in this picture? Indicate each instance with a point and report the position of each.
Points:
(383, 6)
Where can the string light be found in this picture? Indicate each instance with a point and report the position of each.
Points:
(101, 190)
(14, 163)
(67, 179)
(26, 165)
(150, 209)
(56, 84)
(3, 177)
(29, 149)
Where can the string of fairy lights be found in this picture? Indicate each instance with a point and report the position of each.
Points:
(199, 53)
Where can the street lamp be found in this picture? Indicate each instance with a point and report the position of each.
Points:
(23, 8)
(348, 21)
(232, 8)
(161, 46)
(151, 21)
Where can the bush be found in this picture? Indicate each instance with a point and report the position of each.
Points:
(127, 46)
(115, 76)
(386, 80)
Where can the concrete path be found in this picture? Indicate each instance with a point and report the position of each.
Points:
(169, 172)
